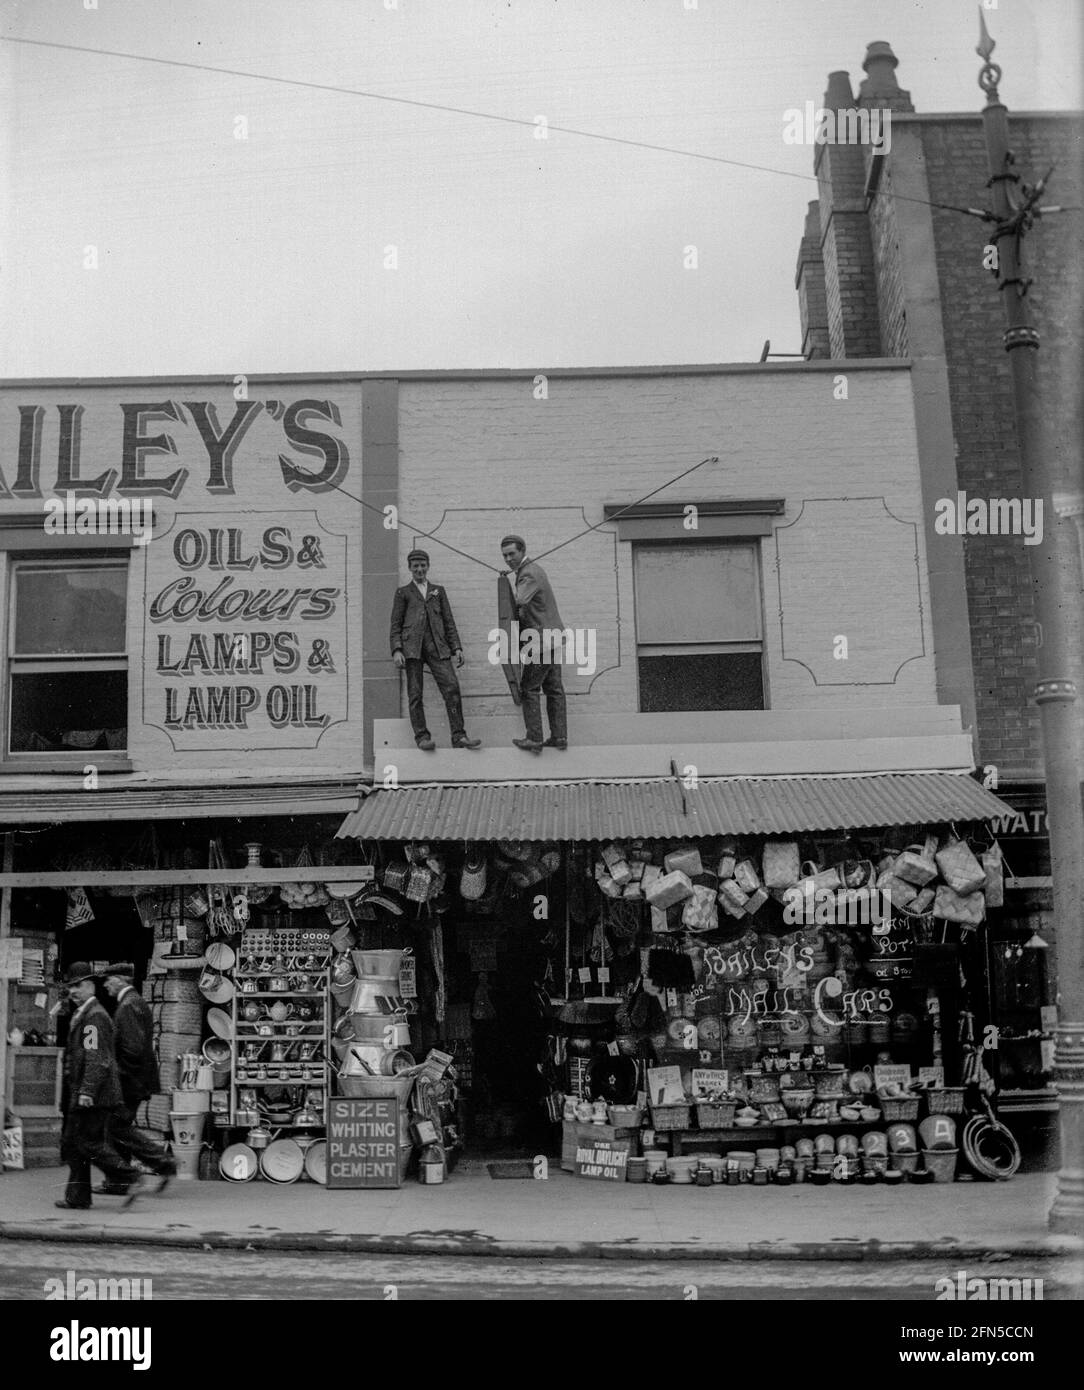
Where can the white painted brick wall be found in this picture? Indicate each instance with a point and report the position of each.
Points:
(482, 457)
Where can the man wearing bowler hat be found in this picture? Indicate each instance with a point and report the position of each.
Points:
(423, 633)
(138, 1072)
(93, 1093)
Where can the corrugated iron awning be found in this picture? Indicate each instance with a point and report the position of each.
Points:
(663, 809)
(135, 798)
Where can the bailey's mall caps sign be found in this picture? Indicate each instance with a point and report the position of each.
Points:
(149, 433)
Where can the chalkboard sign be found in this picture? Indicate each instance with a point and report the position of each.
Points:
(363, 1141)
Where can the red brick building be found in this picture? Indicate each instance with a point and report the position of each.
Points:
(891, 265)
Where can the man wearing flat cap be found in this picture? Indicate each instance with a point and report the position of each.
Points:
(423, 633)
(93, 1093)
(134, 1029)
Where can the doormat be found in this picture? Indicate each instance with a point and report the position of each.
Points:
(511, 1168)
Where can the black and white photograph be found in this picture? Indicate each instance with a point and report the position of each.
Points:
(542, 711)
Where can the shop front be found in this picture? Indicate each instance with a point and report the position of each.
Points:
(784, 974)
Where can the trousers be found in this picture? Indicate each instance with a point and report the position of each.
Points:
(534, 681)
(131, 1142)
(85, 1140)
(447, 683)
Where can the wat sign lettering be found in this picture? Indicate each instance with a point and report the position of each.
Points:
(245, 631)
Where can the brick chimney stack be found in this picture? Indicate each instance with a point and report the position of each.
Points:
(880, 87)
(850, 283)
(809, 281)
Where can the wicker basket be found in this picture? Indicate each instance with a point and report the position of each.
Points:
(903, 1162)
(625, 1116)
(945, 1100)
(716, 1114)
(665, 1117)
(899, 1107)
(941, 1163)
(829, 1085)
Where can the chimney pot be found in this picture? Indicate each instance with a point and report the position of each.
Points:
(879, 52)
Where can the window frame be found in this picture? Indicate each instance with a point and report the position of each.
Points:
(707, 647)
(21, 559)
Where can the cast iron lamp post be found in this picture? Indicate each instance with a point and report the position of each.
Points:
(1014, 210)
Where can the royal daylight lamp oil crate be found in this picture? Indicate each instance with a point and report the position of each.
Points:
(574, 1134)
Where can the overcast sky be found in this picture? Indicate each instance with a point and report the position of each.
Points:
(219, 254)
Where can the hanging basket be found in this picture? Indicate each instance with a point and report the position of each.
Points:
(472, 881)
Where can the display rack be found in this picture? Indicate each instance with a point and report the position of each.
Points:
(291, 969)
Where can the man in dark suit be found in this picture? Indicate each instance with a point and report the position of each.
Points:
(536, 610)
(138, 1070)
(93, 1093)
(423, 633)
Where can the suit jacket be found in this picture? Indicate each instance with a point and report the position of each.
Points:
(536, 607)
(411, 615)
(89, 1061)
(136, 1062)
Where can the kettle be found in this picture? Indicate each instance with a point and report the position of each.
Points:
(258, 1137)
(307, 1116)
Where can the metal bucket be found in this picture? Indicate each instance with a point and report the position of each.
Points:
(238, 1163)
(378, 963)
(283, 1161)
(187, 1129)
(382, 1031)
(316, 1161)
(186, 1157)
(375, 994)
(377, 1086)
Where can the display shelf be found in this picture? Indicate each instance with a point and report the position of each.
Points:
(265, 1032)
(281, 994)
(736, 1134)
(282, 1081)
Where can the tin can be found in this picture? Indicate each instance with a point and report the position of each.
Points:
(703, 1177)
(431, 1166)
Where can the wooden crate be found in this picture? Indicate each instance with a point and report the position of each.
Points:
(573, 1133)
(41, 1141)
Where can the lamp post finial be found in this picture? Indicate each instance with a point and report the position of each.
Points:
(986, 43)
(989, 73)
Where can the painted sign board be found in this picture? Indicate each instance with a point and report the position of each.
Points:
(234, 505)
(605, 1159)
(363, 1142)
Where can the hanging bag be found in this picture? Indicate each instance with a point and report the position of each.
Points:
(220, 920)
(781, 864)
(994, 870)
(969, 910)
(959, 868)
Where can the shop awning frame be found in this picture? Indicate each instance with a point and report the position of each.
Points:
(664, 808)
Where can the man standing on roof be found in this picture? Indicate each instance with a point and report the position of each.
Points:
(536, 610)
(423, 633)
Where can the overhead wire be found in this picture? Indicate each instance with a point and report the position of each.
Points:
(455, 110)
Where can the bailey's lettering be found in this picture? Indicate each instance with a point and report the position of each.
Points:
(145, 441)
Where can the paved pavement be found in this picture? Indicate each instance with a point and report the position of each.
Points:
(29, 1271)
(562, 1217)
